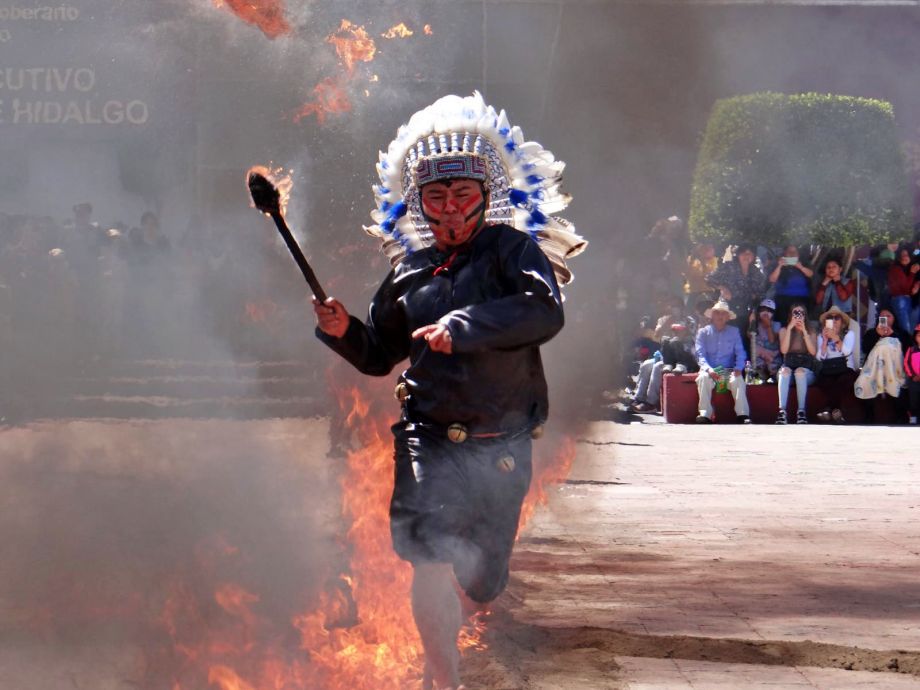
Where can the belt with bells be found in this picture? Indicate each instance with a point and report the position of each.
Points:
(459, 433)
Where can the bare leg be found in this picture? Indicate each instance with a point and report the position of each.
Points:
(436, 608)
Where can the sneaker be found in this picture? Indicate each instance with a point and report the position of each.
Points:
(801, 417)
(743, 419)
(837, 416)
(824, 416)
(644, 407)
(667, 369)
(680, 369)
(781, 417)
(912, 420)
(703, 419)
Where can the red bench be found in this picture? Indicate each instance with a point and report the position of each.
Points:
(680, 400)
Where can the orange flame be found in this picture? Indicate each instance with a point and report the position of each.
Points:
(552, 462)
(267, 15)
(352, 45)
(329, 98)
(398, 31)
(361, 635)
(281, 179)
(236, 601)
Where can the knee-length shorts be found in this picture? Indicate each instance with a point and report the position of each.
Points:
(459, 503)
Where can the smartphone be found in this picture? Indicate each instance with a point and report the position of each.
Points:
(883, 321)
(790, 260)
(829, 324)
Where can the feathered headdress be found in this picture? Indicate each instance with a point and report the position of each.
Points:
(464, 137)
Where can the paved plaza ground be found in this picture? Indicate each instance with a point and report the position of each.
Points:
(723, 557)
(672, 557)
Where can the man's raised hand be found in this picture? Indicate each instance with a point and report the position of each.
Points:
(437, 335)
(331, 317)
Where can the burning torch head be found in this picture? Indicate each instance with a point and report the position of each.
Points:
(265, 195)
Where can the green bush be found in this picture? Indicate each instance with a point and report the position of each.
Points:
(810, 168)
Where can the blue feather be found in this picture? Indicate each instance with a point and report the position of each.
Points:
(536, 218)
(535, 179)
(397, 211)
(504, 131)
(517, 197)
(510, 146)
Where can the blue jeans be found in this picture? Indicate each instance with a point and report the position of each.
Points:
(803, 379)
(905, 315)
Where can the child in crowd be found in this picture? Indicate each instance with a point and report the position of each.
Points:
(767, 357)
(912, 370)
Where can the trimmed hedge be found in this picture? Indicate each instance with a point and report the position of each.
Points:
(776, 169)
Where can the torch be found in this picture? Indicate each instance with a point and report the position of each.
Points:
(267, 199)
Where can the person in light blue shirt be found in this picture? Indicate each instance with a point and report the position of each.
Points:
(719, 346)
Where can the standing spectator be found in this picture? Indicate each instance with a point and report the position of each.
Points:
(791, 280)
(741, 284)
(883, 372)
(912, 370)
(903, 285)
(836, 345)
(669, 236)
(719, 350)
(835, 290)
(767, 356)
(701, 262)
(798, 347)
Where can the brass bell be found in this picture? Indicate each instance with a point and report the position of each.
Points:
(505, 464)
(401, 392)
(536, 432)
(457, 433)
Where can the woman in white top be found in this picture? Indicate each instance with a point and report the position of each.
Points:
(836, 352)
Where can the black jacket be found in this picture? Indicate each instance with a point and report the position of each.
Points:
(499, 298)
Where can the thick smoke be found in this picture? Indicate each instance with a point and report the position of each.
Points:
(208, 317)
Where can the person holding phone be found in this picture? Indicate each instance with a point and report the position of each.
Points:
(792, 282)
(835, 351)
(882, 374)
(798, 345)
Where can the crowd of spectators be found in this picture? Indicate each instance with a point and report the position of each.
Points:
(76, 295)
(844, 320)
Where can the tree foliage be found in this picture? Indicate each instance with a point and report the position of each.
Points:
(809, 168)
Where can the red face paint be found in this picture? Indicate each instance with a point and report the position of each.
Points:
(454, 210)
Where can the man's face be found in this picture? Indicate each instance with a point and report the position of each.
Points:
(719, 319)
(832, 270)
(454, 209)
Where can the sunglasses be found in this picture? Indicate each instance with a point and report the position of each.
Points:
(798, 312)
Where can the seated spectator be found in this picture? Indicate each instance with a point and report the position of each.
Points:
(912, 370)
(883, 372)
(719, 354)
(836, 345)
(798, 347)
(835, 290)
(792, 282)
(767, 357)
(903, 286)
(675, 333)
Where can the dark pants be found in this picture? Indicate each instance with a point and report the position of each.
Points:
(456, 503)
(837, 388)
(913, 390)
